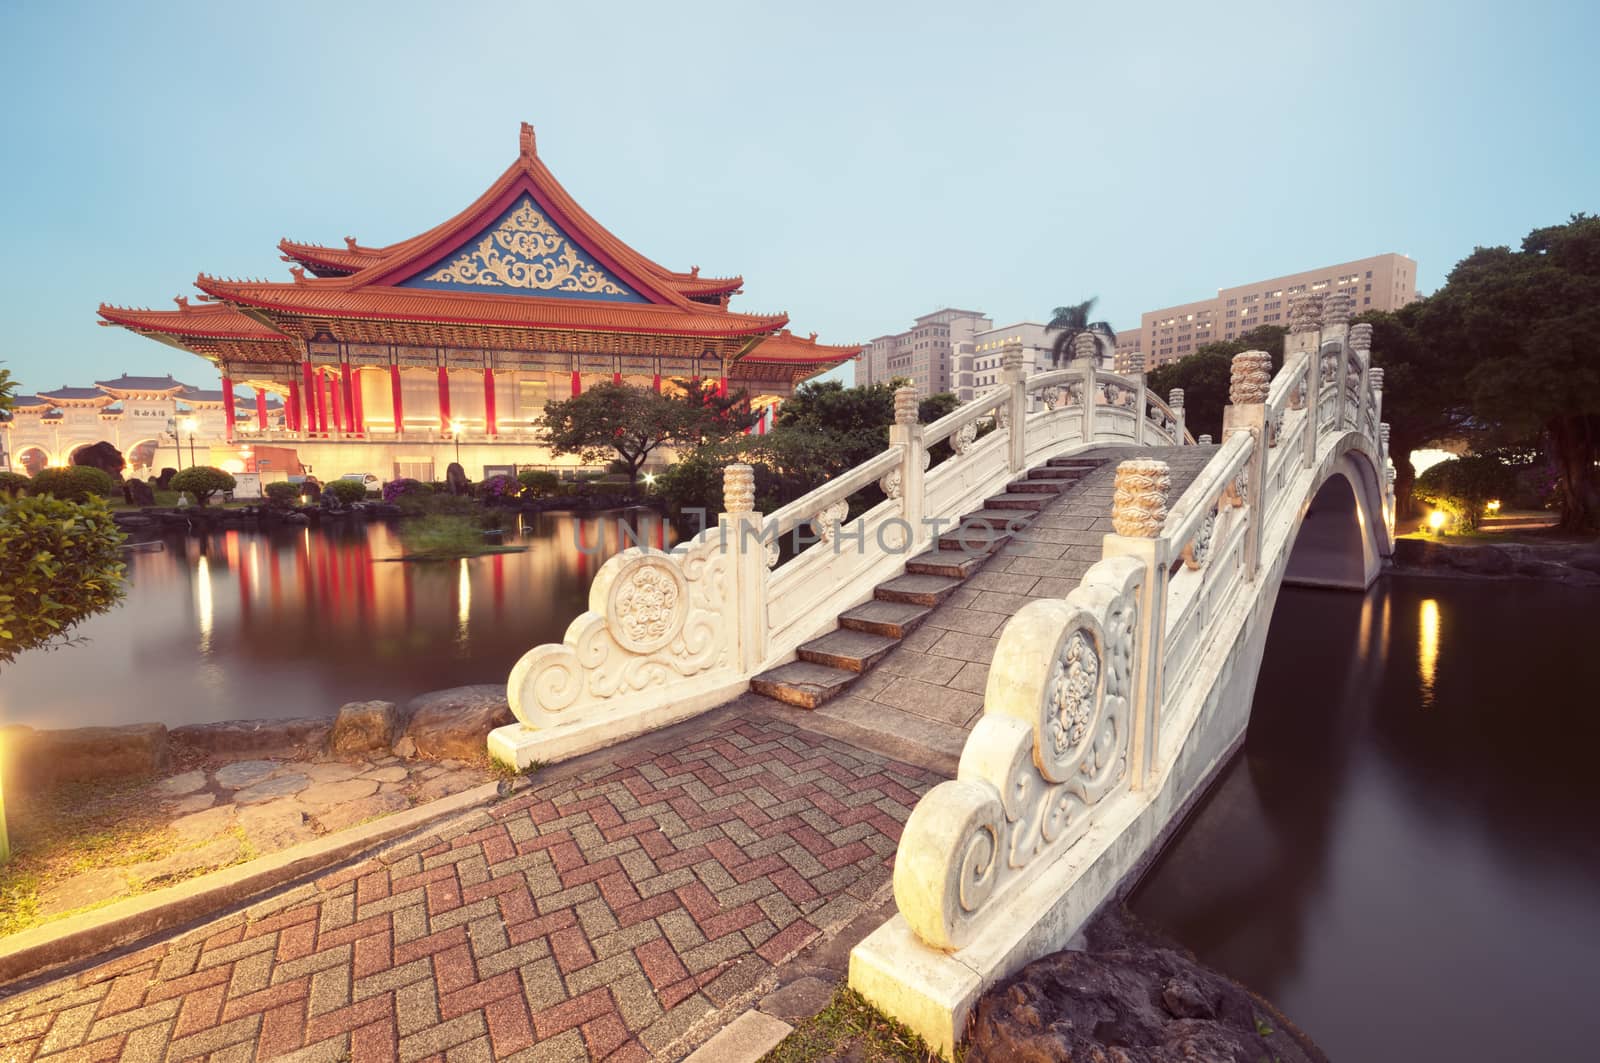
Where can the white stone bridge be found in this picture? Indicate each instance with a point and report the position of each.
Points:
(1112, 696)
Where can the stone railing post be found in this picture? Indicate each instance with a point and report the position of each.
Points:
(1138, 511)
(1360, 341)
(1375, 382)
(1016, 408)
(1249, 380)
(1140, 397)
(906, 433)
(742, 524)
(1305, 324)
(1204, 440)
(1085, 354)
(1336, 330)
(1175, 400)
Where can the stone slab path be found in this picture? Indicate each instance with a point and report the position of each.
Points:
(929, 689)
(624, 907)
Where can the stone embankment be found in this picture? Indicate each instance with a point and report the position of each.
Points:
(1574, 563)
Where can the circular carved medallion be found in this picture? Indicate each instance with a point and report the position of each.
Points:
(647, 605)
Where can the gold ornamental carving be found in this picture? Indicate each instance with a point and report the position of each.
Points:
(526, 251)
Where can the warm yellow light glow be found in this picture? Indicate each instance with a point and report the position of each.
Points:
(203, 605)
(463, 602)
(1494, 506)
(1428, 647)
(649, 478)
(1436, 519)
(455, 427)
(189, 424)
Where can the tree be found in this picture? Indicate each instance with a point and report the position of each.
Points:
(1073, 321)
(633, 423)
(1204, 376)
(202, 481)
(72, 483)
(59, 564)
(1525, 327)
(1462, 487)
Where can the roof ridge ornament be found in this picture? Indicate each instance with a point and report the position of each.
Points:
(350, 243)
(526, 142)
(182, 301)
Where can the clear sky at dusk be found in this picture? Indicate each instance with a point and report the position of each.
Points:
(858, 163)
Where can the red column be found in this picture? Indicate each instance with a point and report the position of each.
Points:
(394, 395)
(488, 401)
(346, 393)
(261, 408)
(335, 401)
(616, 378)
(310, 422)
(722, 387)
(358, 417)
(322, 403)
(228, 412)
(444, 399)
(657, 383)
(291, 412)
(577, 384)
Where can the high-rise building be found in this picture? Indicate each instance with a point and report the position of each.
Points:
(926, 353)
(1383, 282)
(1129, 355)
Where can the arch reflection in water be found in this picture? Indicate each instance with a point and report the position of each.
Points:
(298, 621)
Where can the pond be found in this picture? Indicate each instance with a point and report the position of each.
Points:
(1405, 856)
(297, 621)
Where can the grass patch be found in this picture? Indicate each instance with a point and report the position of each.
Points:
(446, 537)
(851, 1029)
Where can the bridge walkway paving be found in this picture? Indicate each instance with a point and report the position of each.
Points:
(928, 690)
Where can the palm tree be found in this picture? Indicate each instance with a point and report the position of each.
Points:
(1073, 321)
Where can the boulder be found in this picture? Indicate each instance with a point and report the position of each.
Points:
(101, 456)
(137, 493)
(455, 477)
(279, 737)
(456, 722)
(165, 478)
(363, 726)
(84, 754)
(406, 748)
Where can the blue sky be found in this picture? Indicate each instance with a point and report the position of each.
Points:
(858, 163)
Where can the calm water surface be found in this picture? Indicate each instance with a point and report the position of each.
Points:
(297, 621)
(1406, 855)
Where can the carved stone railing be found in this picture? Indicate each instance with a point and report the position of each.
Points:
(720, 608)
(1092, 700)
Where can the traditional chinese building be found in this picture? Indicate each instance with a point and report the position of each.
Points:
(389, 358)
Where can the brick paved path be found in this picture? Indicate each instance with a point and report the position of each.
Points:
(598, 915)
(929, 689)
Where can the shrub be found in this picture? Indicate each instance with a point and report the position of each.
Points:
(59, 564)
(538, 483)
(394, 490)
(282, 493)
(202, 481)
(439, 536)
(1461, 487)
(13, 483)
(346, 491)
(499, 489)
(73, 483)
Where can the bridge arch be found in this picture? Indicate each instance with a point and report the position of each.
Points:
(1341, 538)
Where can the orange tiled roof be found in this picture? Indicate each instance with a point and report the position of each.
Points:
(207, 320)
(339, 297)
(784, 346)
(346, 259)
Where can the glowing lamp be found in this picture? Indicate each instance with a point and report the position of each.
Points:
(189, 424)
(1436, 519)
(649, 478)
(455, 427)
(1494, 506)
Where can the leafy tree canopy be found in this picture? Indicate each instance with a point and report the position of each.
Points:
(202, 481)
(59, 564)
(1072, 321)
(629, 423)
(1204, 376)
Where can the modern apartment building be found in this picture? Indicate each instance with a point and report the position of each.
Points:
(1383, 282)
(926, 353)
(1129, 356)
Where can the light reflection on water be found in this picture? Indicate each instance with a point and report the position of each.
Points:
(1427, 648)
(295, 622)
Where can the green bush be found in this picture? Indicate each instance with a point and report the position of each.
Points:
(13, 483)
(73, 483)
(1462, 487)
(282, 493)
(441, 536)
(59, 564)
(346, 491)
(202, 481)
(538, 483)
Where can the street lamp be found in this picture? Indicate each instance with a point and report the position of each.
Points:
(188, 424)
(455, 431)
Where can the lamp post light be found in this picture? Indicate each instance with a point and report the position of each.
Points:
(188, 424)
(455, 432)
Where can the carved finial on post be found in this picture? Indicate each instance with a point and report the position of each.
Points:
(525, 141)
(1305, 312)
(1085, 347)
(1376, 376)
(1204, 440)
(1139, 506)
(1011, 357)
(1361, 337)
(1383, 434)
(738, 489)
(1175, 398)
(1135, 364)
(1336, 309)
(905, 404)
(1250, 378)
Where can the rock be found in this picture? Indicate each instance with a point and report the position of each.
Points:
(445, 785)
(280, 786)
(1131, 997)
(201, 826)
(327, 794)
(245, 773)
(192, 803)
(406, 748)
(455, 723)
(362, 726)
(330, 772)
(296, 518)
(90, 887)
(178, 785)
(350, 813)
(101, 456)
(395, 774)
(275, 825)
(81, 754)
(137, 493)
(231, 737)
(165, 479)
(455, 477)
(311, 491)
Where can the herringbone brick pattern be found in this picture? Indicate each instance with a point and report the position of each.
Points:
(596, 917)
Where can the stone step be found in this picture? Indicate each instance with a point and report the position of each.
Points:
(894, 620)
(854, 651)
(994, 519)
(1052, 472)
(916, 590)
(1084, 464)
(1036, 487)
(953, 564)
(1016, 500)
(980, 541)
(802, 684)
